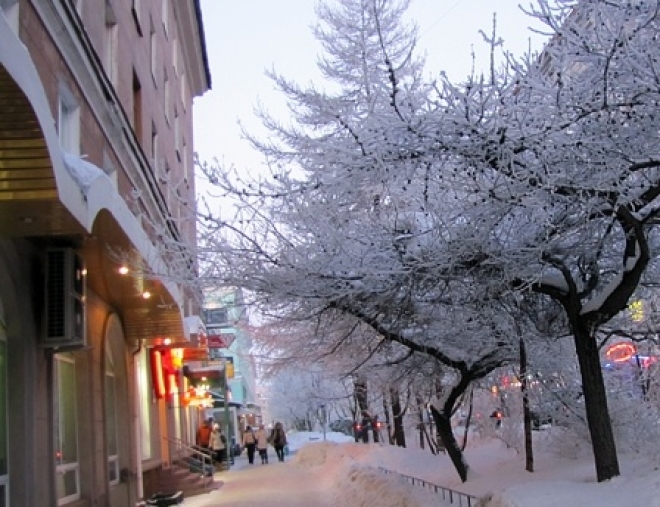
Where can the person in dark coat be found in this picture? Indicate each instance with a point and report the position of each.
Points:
(278, 439)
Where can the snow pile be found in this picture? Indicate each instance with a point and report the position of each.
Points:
(364, 486)
(298, 439)
(83, 172)
(353, 479)
(619, 491)
(333, 451)
(330, 474)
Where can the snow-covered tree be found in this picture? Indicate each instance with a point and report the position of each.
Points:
(409, 220)
(304, 397)
(562, 174)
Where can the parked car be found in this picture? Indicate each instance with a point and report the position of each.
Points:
(344, 426)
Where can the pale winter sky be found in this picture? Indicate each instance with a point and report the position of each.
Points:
(330, 474)
(246, 37)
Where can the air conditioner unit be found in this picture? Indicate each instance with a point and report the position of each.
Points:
(65, 316)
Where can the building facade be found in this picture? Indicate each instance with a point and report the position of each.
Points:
(226, 317)
(96, 175)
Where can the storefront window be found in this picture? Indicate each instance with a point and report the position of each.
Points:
(144, 393)
(111, 419)
(66, 430)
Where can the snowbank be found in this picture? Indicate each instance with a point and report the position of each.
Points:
(354, 482)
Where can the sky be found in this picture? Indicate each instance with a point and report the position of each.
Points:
(341, 472)
(244, 38)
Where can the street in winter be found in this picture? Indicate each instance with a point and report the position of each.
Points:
(392, 253)
(341, 472)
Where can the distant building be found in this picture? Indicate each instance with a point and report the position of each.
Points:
(226, 316)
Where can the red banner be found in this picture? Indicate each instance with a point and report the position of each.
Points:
(217, 339)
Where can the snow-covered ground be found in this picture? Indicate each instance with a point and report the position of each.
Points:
(339, 472)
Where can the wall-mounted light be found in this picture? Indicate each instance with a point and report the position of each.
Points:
(123, 270)
(146, 294)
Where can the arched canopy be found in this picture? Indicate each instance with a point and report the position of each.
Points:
(42, 194)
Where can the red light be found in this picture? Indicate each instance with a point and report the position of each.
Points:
(157, 373)
(648, 361)
(620, 352)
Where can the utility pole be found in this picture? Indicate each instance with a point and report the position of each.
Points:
(228, 431)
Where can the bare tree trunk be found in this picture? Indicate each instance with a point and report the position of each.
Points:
(397, 412)
(468, 419)
(527, 416)
(433, 447)
(438, 437)
(420, 413)
(362, 404)
(388, 420)
(360, 392)
(595, 402)
(443, 423)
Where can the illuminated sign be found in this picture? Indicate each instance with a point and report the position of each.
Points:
(217, 339)
(620, 352)
(196, 354)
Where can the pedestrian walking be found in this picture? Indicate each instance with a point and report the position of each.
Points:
(204, 433)
(262, 443)
(218, 446)
(278, 439)
(250, 443)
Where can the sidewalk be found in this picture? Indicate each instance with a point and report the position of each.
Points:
(276, 484)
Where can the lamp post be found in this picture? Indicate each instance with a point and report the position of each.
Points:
(228, 432)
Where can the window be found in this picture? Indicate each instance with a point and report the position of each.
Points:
(144, 400)
(111, 419)
(166, 98)
(177, 134)
(186, 168)
(68, 122)
(166, 17)
(111, 43)
(154, 54)
(67, 468)
(10, 8)
(216, 316)
(154, 148)
(137, 107)
(136, 11)
(184, 92)
(175, 58)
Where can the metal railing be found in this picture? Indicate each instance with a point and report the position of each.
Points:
(448, 494)
(192, 457)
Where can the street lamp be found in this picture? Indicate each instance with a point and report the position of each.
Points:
(228, 432)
